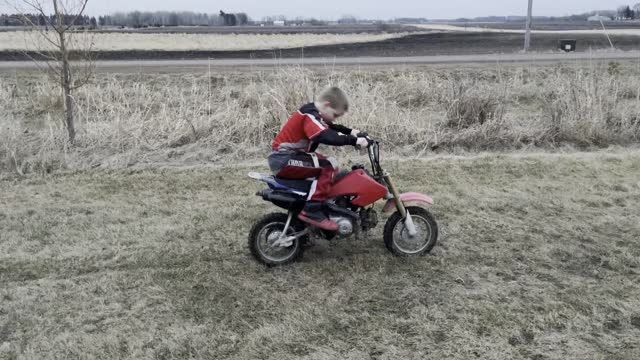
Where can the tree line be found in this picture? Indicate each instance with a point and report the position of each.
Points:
(627, 12)
(134, 19)
(42, 20)
(137, 19)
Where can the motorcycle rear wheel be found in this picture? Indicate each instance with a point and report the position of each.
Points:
(268, 230)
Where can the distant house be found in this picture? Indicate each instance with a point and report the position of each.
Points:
(278, 23)
(599, 18)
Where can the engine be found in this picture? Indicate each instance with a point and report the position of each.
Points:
(345, 226)
(368, 219)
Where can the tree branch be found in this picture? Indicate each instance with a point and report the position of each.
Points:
(47, 55)
(84, 5)
(47, 61)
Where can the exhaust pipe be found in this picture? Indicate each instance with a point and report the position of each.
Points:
(270, 195)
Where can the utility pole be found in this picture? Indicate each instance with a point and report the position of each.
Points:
(605, 32)
(527, 36)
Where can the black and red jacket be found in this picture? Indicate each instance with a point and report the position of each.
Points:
(306, 129)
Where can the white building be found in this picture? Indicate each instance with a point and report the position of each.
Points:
(278, 23)
(599, 18)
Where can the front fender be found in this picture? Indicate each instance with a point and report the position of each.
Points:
(408, 199)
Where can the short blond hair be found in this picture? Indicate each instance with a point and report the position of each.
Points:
(336, 98)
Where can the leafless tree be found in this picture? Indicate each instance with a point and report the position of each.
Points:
(347, 19)
(53, 56)
(623, 12)
(243, 18)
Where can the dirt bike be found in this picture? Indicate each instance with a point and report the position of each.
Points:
(278, 238)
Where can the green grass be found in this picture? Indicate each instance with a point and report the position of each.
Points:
(538, 259)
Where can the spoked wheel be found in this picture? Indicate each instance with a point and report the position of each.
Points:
(265, 235)
(398, 240)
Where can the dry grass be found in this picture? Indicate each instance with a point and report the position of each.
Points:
(150, 118)
(17, 40)
(124, 256)
(456, 28)
(538, 259)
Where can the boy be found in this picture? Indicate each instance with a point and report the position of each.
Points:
(294, 155)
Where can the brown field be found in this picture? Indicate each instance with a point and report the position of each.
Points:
(391, 44)
(537, 260)
(139, 118)
(554, 25)
(35, 41)
(568, 31)
(254, 29)
(132, 243)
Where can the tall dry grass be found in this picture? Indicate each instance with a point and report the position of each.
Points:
(141, 118)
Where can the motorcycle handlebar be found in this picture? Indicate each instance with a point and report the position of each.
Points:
(369, 140)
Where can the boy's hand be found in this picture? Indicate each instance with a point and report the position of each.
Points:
(362, 143)
(358, 133)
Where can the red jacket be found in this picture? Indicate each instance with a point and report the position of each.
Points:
(305, 129)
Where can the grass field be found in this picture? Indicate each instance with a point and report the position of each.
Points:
(632, 30)
(132, 242)
(128, 119)
(125, 46)
(326, 41)
(538, 259)
(115, 41)
(553, 25)
(253, 29)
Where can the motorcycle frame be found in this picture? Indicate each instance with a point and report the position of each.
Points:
(384, 178)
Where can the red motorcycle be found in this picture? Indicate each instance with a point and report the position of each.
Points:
(279, 238)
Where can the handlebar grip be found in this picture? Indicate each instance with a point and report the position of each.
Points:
(370, 142)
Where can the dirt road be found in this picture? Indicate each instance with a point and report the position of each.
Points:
(203, 65)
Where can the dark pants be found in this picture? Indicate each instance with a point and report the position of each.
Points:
(304, 166)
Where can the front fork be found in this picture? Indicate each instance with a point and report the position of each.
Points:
(408, 221)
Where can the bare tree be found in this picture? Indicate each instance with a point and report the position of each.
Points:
(243, 18)
(55, 48)
(622, 12)
(347, 19)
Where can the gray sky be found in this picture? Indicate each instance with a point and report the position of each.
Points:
(333, 9)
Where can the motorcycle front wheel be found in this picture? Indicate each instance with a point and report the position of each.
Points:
(397, 238)
(266, 232)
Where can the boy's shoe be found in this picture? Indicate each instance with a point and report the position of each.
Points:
(313, 214)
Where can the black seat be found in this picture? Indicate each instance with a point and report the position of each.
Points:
(299, 185)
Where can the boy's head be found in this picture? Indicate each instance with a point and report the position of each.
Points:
(332, 104)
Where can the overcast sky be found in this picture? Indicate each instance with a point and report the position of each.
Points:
(333, 9)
